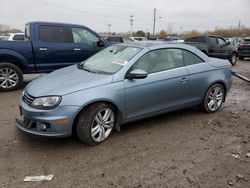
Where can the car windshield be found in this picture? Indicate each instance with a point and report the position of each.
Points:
(109, 60)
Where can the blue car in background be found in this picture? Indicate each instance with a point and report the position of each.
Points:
(121, 84)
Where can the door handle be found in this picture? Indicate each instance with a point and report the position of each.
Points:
(43, 49)
(183, 80)
(77, 49)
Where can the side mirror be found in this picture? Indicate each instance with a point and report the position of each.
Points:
(100, 43)
(228, 43)
(137, 74)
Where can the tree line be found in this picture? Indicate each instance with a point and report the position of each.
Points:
(233, 32)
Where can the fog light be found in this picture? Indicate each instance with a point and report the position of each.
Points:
(42, 126)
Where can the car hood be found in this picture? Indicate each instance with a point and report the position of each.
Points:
(66, 80)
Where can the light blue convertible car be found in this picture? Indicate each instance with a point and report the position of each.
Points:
(120, 84)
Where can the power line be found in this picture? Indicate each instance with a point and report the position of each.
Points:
(181, 14)
(116, 5)
(125, 18)
(85, 12)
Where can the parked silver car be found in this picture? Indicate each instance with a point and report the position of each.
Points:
(120, 84)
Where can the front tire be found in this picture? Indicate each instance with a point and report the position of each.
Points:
(233, 59)
(11, 77)
(213, 98)
(96, 123)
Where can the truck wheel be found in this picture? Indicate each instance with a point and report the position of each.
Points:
(241, 58)
(96, 123)
(233, 59)
(213, 98)
(11, 77)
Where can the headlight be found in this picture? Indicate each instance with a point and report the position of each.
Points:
(46, 102)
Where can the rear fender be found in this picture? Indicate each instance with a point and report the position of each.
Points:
(11, 56)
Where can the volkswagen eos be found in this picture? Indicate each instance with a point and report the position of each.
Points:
(120, 84)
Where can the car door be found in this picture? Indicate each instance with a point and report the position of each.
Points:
(84, 43)
(165, 87)
(224, 49)
(52, 48)
(199, 72)
(218, 47)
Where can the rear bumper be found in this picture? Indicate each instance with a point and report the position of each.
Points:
(244, 53)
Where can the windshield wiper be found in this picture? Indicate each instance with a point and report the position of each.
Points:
(81, 66)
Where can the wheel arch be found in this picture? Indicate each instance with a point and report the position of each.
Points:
(118, 111)
(235, 52)
(9, 56)
(217, 82)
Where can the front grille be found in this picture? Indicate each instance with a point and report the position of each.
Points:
(28, 98)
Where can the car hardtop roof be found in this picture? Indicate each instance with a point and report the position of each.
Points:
(216, 36)
(205, 35)
(160, 44)
(116, 36)
(156, 44)
(56, 23)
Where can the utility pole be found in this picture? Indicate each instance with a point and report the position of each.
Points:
(239, 28)
(154, 22)
(181, 30)
(239, 24)
(109, 25)
(131, 23)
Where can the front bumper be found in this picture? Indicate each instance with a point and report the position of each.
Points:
(45, 122)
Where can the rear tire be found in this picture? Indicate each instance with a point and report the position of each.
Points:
(11, 77)
(96, 123)
(214, 98)
(233, 59)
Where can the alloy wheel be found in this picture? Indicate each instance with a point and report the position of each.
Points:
(234, 59)
(102, 125)
(8, 78)
(215, 98)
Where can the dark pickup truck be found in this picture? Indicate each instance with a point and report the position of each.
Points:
(214, 46)
(47, 47)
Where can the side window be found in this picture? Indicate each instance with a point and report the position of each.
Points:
(52, 34)
(160, 60)
(221, 41)
(114, 39)
(127, 40)
(213, 41)
(190, 58)
(200, 39)
(81, 35)
(196, 39)
(18, 37)
(189, 40)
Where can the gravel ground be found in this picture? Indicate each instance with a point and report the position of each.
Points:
(187, 148)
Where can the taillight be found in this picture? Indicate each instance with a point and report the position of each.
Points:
(240, 45)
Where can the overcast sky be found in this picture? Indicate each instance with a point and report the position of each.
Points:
(97, 14)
